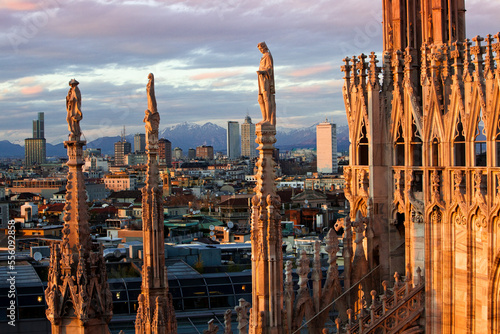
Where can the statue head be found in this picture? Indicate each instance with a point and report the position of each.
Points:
(73, 83)
(262, 47)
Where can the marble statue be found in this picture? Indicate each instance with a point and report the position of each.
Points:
(152, 117)
(266, 85)
(73, 108)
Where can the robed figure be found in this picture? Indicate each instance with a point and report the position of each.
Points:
(152, 117)
(74, 111)
(266, 85)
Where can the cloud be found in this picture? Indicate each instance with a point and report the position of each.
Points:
(215, 75)
(311, 70)
(18, 5)
(32, 90)
(203, 54)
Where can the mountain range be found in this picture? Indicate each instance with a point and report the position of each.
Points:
(188, 135)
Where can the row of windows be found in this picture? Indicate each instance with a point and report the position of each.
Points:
(459, 147)
(459, 154)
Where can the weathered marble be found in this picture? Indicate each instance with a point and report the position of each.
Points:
(77, 294)
(424, 125)
(155, 313)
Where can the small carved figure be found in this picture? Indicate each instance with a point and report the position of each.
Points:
(242, 315)
(73, 108)
(266, 85)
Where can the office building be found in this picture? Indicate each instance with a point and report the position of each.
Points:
(35, 147)
(139, 143)
(178, 153)
(191, 154)
(39, 126)
(122, 148)
(165, 152)
(233, 140)
(326, 147)
(248, 145)
(205, 152)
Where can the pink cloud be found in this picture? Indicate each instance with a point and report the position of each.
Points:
(307, 89)
(311, 70)
(32, 90)
(214, 75)
(19, 5)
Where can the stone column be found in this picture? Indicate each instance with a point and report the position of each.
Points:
(156, 312)
(77, 294)
(267, 257)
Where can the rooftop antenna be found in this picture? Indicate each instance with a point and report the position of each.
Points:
(123, 134)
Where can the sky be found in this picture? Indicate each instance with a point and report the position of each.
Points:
(203, 54)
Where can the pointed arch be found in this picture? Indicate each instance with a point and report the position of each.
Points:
(477, 107)
(493, 128)
(362, 144)
(397, 115)
(456, 109)
(458, 141)
(399, 147)
(415, 143)
(434, 126)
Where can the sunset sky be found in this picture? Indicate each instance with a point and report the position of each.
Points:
(203, 53)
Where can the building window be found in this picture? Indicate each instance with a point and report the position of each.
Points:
(459, 145)
(399, 148)
(435, 152)
(416, 146)
(363, 148)
(480, 143)
(418, 178)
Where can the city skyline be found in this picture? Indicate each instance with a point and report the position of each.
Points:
(203, 54)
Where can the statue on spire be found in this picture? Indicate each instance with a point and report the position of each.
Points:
(74, 110)
(266, 85)
(152, 117)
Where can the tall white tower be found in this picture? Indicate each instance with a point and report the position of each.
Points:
(248, 145)
(233, 140)
(326, 147)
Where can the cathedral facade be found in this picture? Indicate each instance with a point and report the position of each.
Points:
(424, 173)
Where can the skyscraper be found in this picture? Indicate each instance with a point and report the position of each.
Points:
(326, 147)
(233, 140)
(139, 143)
(39, 126)
(34, 151)
(35, 147)
(122, 148)
(248, 145)
(165, 152)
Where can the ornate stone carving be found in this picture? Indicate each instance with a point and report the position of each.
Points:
(74, 110)
(436, 215)
(212, 327)
(267, 258)
(417, 207)
(156, 311)
(347, 182)
(399, 187)
(363, 183)
(242, 315)
(77, 294)
(266, 85)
